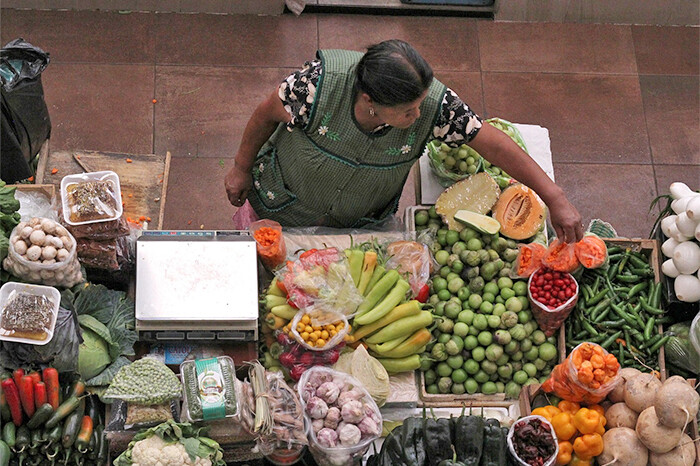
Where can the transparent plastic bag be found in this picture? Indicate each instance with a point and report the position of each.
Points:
(681, 350)
(35, 204)
(561, 257)
(288, 437)
(571, 380)
(413, 259)
(332, 402)
(550, 460)
(270, 242)
(591, 251)
(319, 281)
(548, 318)
(445, 175)
(43, 251)
(100, 231)
(317, 317)
(147, 415)
(529, 259)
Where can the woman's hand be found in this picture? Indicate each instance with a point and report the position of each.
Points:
(238, 183)
(566, 220)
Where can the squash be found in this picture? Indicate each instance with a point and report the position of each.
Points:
(480, 222)
(520, 211)
(477, 193)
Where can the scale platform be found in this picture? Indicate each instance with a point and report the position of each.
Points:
(196, 285)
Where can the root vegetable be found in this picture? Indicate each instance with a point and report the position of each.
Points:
(682, 455)
(640, 391)
(618, 393)
(654, 435)
(620, 415)
(622, 447)
(676, 404)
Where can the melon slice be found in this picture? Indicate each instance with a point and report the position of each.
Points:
(477, 193)
(520, 211)
(480, 222)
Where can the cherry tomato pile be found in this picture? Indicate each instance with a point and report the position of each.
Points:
(551, 288)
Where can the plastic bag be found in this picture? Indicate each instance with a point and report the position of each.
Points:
(91, 197)
(529, 259)
(209, 388)
(576, 378)
(100, 231)
(319, 282)
(550, 460)
(680, 350)
(55, 263)
(591, 251)
(330, 341)
(270, 242)
(561, 257)
(147, 415)
(288, 437)
(35, 204)
(412, 259)
(297, 358)
(342, 418)
(135, 383)
(550, 318)
(448, 176)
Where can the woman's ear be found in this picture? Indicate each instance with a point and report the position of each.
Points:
(366, 99)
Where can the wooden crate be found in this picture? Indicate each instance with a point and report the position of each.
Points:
(143, 177)
(497, 400)
(652, 248)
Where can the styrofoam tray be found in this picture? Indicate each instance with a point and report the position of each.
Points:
(86, 177)
(38, 290)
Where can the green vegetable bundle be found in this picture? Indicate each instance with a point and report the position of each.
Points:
(146, 381)
(9, 217)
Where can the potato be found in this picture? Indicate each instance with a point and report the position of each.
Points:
(622, 447)
(676, 403)
(682, 455)
(654, 435)
(640, 391)
(620, 415)
(618, 393)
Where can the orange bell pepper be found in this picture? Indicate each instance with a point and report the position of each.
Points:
(586, 420)
(578, 461)
(565, 452)
(547, 412)
(563, 426)
(569, 406)
(589, 445)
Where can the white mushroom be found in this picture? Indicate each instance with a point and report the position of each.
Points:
(46, 274)
(67, 242)
(20, 247)
(62, 254)
(34, 276)
(56, 242)
(48, 253)
(34, 253)
(60, 231)
(48, 225)
(34, 221)
(26, 231)
(37, 237)
(21, 225)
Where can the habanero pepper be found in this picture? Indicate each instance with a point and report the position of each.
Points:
(566, 449)
(586, 420)
(547, 412)
(570, 407)
(589, 445)
(563, 426)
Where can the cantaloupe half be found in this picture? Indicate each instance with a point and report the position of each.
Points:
(520, 211)
(480, 222)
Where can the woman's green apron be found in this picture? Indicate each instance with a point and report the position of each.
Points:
(332, 173)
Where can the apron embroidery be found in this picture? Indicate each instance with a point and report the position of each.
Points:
(406, 148)
(324, 131)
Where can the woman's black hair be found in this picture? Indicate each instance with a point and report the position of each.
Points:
(393, 73)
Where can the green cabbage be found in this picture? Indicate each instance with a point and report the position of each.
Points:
(97, 348)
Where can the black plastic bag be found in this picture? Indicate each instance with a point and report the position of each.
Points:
(25, 116)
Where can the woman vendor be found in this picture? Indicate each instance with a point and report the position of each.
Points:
(334, 144)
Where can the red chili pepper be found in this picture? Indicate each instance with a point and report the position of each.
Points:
(308, 253)
(9, 388)
(17, 375)
(40, 396)
(36, 377)
(423, 293)
(26, 395)
(52, 387)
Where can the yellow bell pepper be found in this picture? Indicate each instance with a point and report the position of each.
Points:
(547, 412)
(589, 445)
(586, 420)
(578, 461)
(569, 406)
(563, 426)
(598, 409)
(601, 426)
(565, 451)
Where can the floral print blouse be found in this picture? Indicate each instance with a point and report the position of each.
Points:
(457, 124)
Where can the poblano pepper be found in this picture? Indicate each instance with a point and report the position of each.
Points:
(495, 451)
(413, 442)
(469, 439)
(438, 440)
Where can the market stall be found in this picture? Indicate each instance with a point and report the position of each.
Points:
(465, 335)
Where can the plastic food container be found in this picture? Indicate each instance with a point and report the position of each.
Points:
(548, 319)
(209, 389)
(548, 461)
(12, 290)
(101, 192)
(339, 455)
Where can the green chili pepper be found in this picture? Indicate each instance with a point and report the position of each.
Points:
(589, 328)
(636, 289)
(621, 354)
(597, 298)
(659, 344)
(648, 328)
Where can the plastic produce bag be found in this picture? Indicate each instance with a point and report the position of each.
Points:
(561, 257)
(331, 341)
(529, 259)
(319, 282)
(587, 375)
(550, 318)
(679, 349)
(412, 259)
(25, 116)
(517, 436)
(591, 251)
(270, 242)
(146, 381)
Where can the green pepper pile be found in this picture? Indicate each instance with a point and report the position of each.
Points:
(458, 441)
(619, 308)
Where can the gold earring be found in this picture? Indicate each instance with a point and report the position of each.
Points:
(371, 111)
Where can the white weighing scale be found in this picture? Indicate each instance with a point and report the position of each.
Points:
(196, 285)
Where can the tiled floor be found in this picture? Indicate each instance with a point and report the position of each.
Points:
(621, 103)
